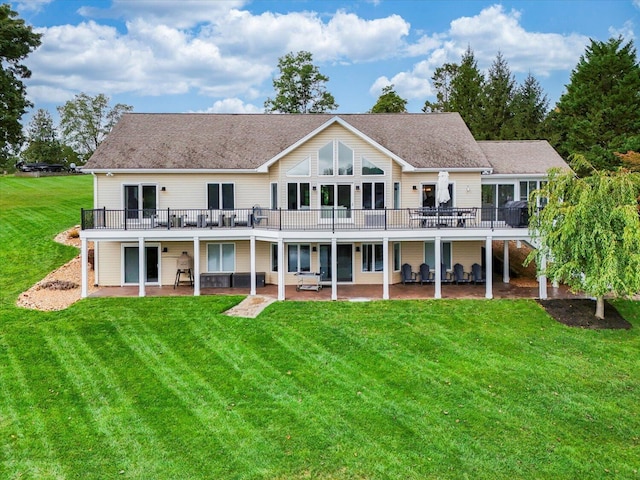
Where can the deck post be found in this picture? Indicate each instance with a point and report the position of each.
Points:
(542, 279)
(196, 267)
(505, 263)
(252, 253)
(141, 267)
(84, 265)
(334, 268)
(281, 289)
(385, 268)
(438, 267)
(488, 261)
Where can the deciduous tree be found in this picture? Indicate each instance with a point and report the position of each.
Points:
(389, 102)
(442, 79)
(600, 112)
(300, 87)
(17, 41)
(85, 121)
(590, 231)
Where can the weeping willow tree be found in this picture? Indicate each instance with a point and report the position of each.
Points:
(590, 231)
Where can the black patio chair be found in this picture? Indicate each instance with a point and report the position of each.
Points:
(445, 277)
(459, 275)
(477, 275)
(426, 275)
(408, 275)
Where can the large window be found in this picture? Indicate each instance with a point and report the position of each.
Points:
(274, 196)
(335, 201)
(221, 257)
(370, 168)
(396, 194)
(298, 258)
(302, 169)
(429, 196)
(274, 257)
(527, 187)
(298, 196)
(140, 198)
(396, 257)
(372, 257)
(373, 195)
(430, 255)
(220, 196)
(335, 157)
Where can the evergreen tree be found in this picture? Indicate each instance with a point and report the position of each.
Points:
(300, 88)
(389, 102)
(16, 42)
(498, 94)
(600, 112)
(42, 138)
(529, 109)
(466, 91)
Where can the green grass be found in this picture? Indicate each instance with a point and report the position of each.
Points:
(171, 388)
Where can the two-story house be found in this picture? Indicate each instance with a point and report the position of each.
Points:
(262, 198)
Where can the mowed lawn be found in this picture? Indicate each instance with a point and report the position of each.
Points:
(170, 388)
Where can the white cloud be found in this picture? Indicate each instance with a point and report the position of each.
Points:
(344, 36)
(182, 14)
(410, 85)
(626, 31)
(32, 5)
(232, 105)
(494, 30)
(636, 3)
(149, 60)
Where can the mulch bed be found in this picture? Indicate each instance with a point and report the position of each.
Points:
(581, 313)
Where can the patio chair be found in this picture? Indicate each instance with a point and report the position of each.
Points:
(459, 275)
(445, 277)
(408, 275)
(426, 275)
(477, 275)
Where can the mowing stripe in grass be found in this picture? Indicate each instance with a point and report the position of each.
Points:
(107, 407)
(365, 405)
(192, 391)
(22, 432)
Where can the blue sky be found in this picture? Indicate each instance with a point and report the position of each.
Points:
(221, 56)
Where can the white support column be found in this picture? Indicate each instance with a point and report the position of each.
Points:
(438, 267)
(84, 292)
(196, 266)
(542, 280)
(252, 249)
(488, 261)
(96, 264)
(385, 266)
(334, 269)
(142, 271)
(281, 289)
(505, 263)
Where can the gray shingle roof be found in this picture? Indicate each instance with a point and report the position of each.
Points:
(521, 156)
(239, 141)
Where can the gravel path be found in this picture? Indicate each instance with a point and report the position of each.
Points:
(61, 288)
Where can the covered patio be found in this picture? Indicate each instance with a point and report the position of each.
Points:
(517, 288)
